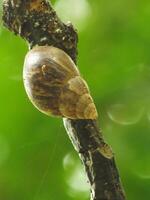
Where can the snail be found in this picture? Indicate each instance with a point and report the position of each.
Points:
(54, 85)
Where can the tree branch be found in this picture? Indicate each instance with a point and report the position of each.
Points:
(38, 24)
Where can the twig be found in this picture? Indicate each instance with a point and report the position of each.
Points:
(38, 23)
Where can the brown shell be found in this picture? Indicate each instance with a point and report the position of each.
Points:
(54, 85)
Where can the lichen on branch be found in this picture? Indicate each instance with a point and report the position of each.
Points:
(37, 22)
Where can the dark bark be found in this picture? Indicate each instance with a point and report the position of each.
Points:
(38, 24)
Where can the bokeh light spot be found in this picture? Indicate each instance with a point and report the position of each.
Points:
(76, 11)
(78, 180)
(125, 114)
(75, 177)
(68, 161)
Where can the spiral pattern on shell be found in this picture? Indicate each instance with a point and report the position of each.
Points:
(54, 85)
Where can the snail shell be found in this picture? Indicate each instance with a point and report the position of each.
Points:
(54, 85)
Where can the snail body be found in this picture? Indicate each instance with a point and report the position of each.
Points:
(54, 85)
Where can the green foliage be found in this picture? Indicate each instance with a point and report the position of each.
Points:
(37, 160)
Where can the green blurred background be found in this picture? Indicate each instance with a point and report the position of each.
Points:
(37, 160)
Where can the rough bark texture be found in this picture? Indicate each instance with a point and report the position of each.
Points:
(38, 24)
